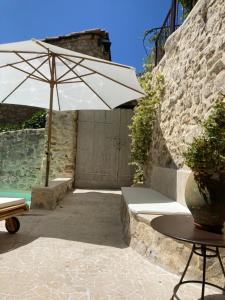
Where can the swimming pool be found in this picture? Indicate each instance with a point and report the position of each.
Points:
(17, 194)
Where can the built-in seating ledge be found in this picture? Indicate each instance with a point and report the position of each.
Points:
(48, 197)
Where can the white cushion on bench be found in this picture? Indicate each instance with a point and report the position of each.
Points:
(148, 201)
(7, 202)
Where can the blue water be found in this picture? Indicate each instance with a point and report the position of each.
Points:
(17, 194)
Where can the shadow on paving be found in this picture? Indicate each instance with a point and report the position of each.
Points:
(87, 217)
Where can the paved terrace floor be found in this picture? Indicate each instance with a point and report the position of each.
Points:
(77, 253)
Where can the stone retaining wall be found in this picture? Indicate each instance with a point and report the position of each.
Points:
(164, 251)
(194, 71)
(21, 155)
(49, 197)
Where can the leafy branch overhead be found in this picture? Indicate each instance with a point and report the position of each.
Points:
(142, 125)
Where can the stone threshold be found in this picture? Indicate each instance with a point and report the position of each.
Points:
(49, 197)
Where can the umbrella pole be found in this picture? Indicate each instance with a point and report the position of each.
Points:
(48, 153)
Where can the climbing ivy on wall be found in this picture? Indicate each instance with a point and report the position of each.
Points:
(142, 125)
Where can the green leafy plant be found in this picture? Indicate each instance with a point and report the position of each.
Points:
(38, 120)
(187, 6)
(142, 125)
(206, 155)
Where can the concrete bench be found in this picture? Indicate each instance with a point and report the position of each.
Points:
(147, 201)
(139, 205)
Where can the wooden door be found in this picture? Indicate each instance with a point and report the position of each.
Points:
(103, 149)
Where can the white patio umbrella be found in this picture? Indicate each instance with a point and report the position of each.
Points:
(38, 74)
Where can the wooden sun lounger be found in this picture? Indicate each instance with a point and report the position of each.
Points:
(9, 209)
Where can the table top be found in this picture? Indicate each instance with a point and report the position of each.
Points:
(181, 227)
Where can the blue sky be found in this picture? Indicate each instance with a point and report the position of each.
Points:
(125, 20)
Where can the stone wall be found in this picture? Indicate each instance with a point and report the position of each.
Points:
(18, 114)
(63, 147)
(94, 42)
(194, 71)
(164, 251)
(21, 154)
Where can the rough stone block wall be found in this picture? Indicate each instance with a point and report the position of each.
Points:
(18, 114)
(194, 71)
(21, 154)
(164, 251)
(93, 42)
(63, 148)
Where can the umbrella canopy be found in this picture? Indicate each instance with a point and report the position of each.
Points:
(38, 74)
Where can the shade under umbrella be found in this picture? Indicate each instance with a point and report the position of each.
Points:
(38, 74)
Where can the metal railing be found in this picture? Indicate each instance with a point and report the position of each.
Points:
(173, 20)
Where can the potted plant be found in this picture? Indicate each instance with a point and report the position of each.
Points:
(205, 189)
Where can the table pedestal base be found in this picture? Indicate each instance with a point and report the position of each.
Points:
(204, 252)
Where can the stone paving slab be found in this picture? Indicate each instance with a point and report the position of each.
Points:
(77, 253)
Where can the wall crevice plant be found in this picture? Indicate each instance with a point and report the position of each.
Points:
(143, 120)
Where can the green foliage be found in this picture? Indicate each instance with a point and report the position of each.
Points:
(206, 155)
(187, 6)
(38, 120)
(143, 120)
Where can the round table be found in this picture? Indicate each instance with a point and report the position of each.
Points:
(205, 244)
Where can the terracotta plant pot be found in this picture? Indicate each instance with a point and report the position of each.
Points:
(205, 198)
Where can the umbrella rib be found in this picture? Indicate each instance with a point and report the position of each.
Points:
(65, 80)
(107, 77)
(29, 75)
(98, 60)
(20, 56)
(69, 82)
(86, 84)
(76, 64)
(40, 44)
(19, 62)
(50, 67)
(24, 52)
(57, 92)
(88, 58)
(33, 76)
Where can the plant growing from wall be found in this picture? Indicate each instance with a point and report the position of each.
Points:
(142, 125)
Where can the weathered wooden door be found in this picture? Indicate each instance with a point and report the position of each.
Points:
(103, 149)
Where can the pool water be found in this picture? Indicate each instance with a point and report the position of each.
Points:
(17, 194)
